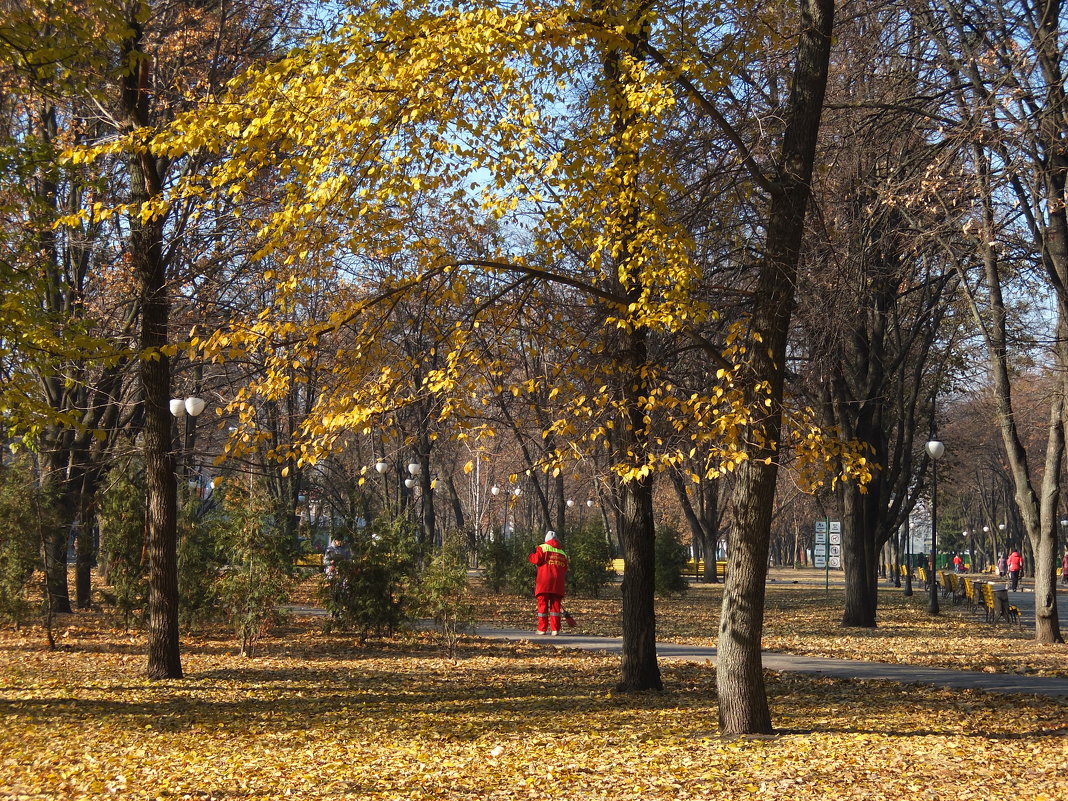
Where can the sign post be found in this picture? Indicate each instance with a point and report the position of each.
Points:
(835, 559)
(827, 552)
(819, 551)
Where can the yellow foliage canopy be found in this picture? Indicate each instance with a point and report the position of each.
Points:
(499, 160)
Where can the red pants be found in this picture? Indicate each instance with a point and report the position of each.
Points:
(549, 612)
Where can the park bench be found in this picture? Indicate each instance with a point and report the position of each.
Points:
(970, 594)
(948, 584)
(998, 607)
(696, 569)
(921, 574)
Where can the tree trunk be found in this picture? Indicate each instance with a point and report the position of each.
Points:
(637, 527)
(702, 527)
(83, 574)
(640, 670)
(743, 704)
(1037, 510)
(859, 559)
(161, 496)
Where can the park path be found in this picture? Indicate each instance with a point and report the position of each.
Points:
(787, 663)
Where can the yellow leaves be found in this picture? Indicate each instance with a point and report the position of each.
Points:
(395, 142)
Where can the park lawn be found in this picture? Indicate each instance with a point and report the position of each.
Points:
(322, 716)
(805, 619)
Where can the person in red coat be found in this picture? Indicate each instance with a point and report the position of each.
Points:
(1015, 565)
(552, 564)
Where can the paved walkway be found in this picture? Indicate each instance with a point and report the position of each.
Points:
(837, 668)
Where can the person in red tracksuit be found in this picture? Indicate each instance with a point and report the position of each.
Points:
(552, 564)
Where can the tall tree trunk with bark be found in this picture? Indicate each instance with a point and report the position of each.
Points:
(637, 526)
(859, 557)
(743, 703)
(146, 253)
(637, 532)
(1037, 509)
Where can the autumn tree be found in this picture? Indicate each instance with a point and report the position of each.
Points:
(162, 50)
(877, 318)
(1005, 113)
(67, 350)
(558, 140)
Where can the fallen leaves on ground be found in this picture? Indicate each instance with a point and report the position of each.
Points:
(324, 717)
(805, 619)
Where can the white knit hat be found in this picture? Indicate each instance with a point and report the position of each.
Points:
(550, 535)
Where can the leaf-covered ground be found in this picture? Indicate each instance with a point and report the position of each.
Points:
(805, 619)
(323, 717)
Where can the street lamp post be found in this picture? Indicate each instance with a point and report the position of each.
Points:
(381, 466)
(513, 508)
(180, 408)
(907, 592)
(935, 450)
(495, 491)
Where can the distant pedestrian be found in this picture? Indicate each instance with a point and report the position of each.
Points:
(1064, 568)
(958, 563)
(1014, 564)
(336, 551)
(335, 559)
(552, 565)
(1001, 565)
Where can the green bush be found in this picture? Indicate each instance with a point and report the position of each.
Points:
(590, 556)
(371, 593)
(494, 557)
(23, 514)
(505, 566)
(444, 594)
(520, 578)
(260, 567)
(120, 517)
(671, 558)
(201, 557)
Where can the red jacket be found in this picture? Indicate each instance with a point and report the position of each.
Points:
(1015, 561)
(552, 568)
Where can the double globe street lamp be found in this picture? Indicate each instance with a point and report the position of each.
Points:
(180, 407)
